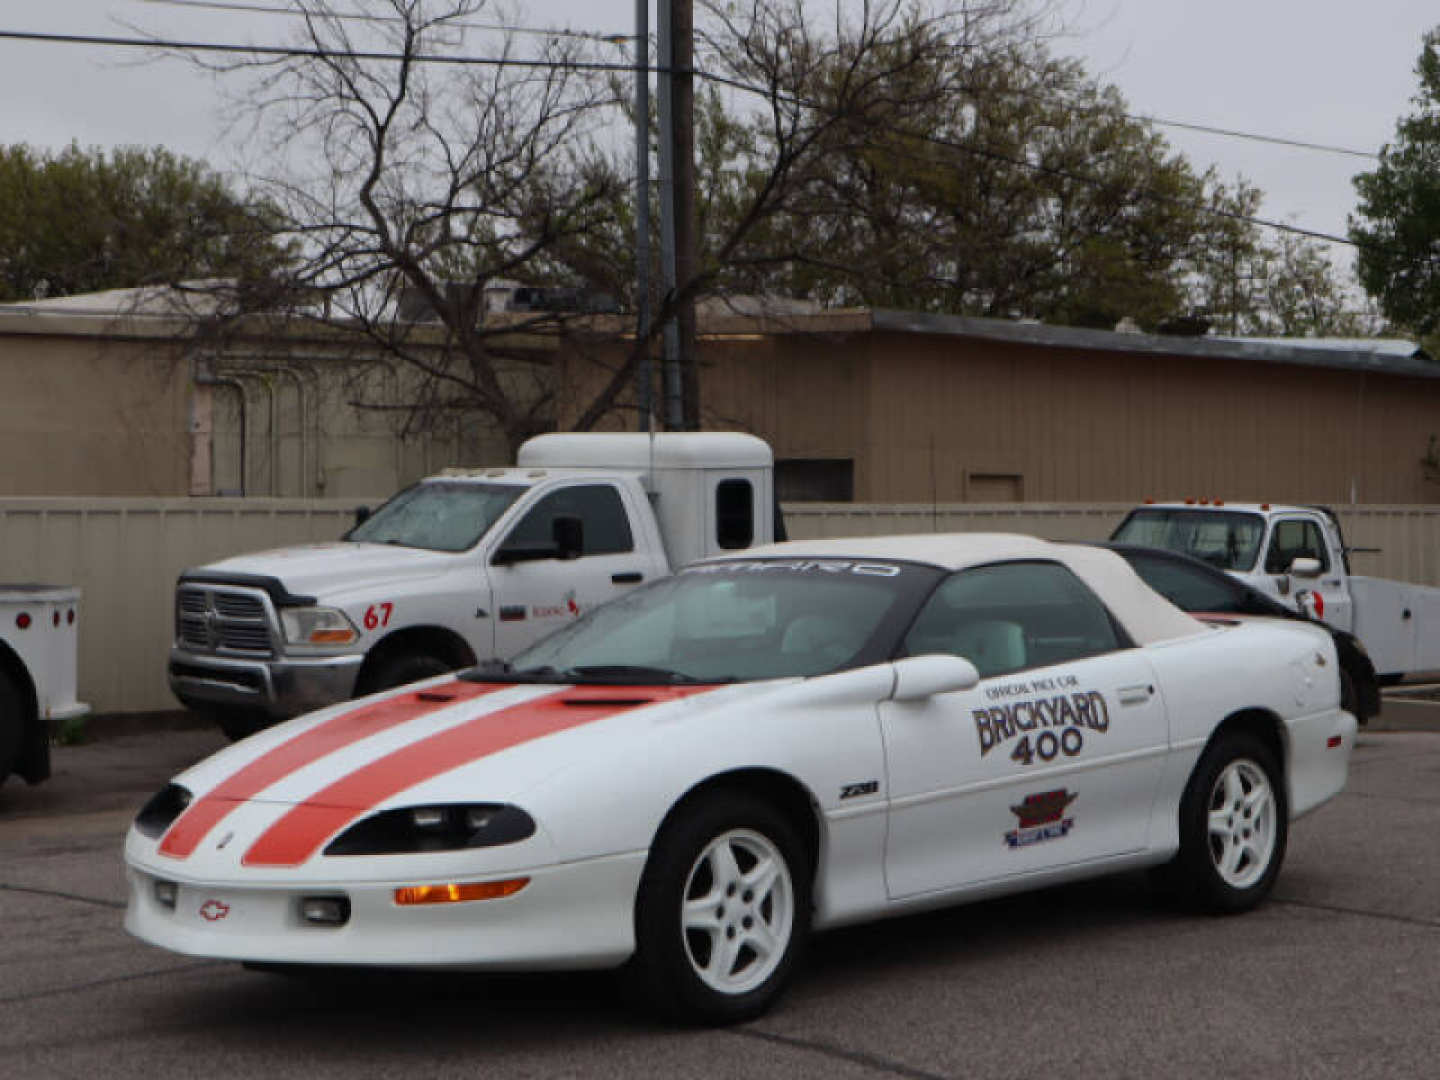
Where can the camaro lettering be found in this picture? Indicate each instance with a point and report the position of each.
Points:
(800, 566)
(999, 724)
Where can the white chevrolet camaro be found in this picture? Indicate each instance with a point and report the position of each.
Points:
(690, 780)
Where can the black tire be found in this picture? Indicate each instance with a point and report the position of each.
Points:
(1235, 869)
(13, 723)
(400, 670)
(240, 723)
(1348, 699)
(676, 970)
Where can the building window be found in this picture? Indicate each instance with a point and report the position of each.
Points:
(815, 480)
(988, 487)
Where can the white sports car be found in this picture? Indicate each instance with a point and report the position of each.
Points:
(690, 780)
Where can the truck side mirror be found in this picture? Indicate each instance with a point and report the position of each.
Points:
(569, 534)
(1303, 566)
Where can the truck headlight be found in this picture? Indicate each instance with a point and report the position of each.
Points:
(318, 626)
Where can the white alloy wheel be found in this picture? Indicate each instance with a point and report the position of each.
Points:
(1242, 823)
(738, 911)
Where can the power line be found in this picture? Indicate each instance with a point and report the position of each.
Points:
(360, 16)
(590, 35)
(1275, 139)
(629, 68)
(317, 52)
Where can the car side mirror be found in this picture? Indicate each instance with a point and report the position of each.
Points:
(920, 677)
(568, 532)
(1305, 567)
(362, 515)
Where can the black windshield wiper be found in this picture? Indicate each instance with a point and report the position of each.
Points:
(635, 674)
(499, 671)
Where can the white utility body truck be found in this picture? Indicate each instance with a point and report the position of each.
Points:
(38, 635)
(466, 566)
(1297, 555)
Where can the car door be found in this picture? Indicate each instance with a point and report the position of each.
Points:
(1325, 595)
(534, 597)
(1052, 759)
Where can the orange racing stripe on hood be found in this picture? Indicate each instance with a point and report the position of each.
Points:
(310, 746)
(299, 834)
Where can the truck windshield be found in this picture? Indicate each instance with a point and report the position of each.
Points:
(734, 622)
(1228, 539)
(437, 514)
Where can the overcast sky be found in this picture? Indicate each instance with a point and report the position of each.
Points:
(1322, 71)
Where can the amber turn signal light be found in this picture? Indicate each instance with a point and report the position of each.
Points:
(459, 894)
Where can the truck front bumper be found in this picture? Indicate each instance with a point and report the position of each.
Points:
(281, 688)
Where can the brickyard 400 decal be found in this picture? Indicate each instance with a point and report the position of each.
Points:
(1059, 720)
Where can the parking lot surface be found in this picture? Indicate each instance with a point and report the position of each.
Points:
(1337, 976)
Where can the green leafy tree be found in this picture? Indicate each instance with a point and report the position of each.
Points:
(1397, 223)
(81, 220)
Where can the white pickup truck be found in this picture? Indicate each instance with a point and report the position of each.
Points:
(1297, 554)
(470, 565)
(38, 635)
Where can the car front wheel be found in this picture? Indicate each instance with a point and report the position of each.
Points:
(723, 911)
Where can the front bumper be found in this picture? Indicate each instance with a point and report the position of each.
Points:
(281, 688)
(570, 916)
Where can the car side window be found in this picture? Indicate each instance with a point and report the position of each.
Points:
(1010, 616)
(1188, 587)
(601, 513)
(1295, 538)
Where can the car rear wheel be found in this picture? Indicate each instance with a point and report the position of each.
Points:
(723, 911)
(1234, 824)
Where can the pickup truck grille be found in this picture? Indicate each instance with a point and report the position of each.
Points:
(222, 622)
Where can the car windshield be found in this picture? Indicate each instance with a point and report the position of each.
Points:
(437, 514)
(1226, 539)
(735, 622)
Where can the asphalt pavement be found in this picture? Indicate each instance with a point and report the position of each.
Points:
(1336, 976)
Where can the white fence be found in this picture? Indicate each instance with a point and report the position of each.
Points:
(126, 553)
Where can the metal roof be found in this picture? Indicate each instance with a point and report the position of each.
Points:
(1384, 355)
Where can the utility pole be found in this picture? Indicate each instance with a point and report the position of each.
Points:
(645, 381)
(675, 85)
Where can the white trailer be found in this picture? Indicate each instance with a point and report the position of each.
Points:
(39, 627)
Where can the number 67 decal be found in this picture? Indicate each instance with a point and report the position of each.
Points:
(378, 615)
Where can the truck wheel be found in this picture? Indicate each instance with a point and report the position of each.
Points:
(1234, 823)
(402, 669)
(1348, 699)
(723, 911)
(12, 726)
(238, 723)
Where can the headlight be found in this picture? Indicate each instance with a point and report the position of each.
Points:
(163, 808)
(434, 828)
(318, 626)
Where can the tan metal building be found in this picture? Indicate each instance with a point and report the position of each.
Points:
(886, 406)
(103, 396)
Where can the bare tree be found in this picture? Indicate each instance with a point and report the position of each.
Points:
(415, 172)
(420, 168)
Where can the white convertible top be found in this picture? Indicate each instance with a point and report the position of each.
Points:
(1145, 614)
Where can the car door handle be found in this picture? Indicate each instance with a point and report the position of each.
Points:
(1135, 695)
(629, 578)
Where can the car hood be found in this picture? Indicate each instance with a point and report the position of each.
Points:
(275, 800)
(321, 570)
